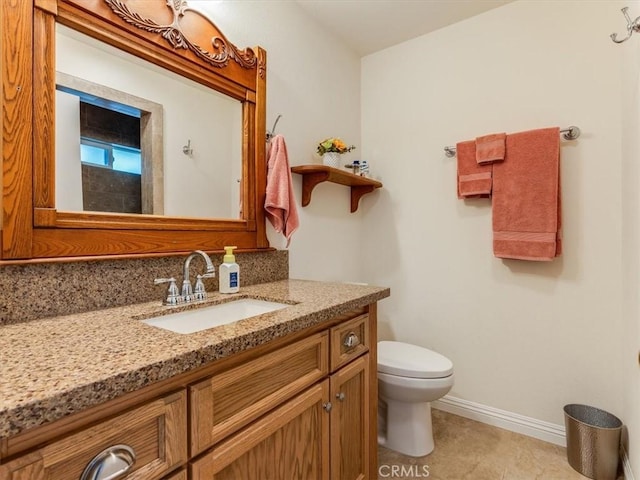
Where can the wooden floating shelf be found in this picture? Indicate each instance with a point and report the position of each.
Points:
(312, 175)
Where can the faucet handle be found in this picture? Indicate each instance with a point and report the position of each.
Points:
(187, 290)
(173, 295)
(199, 292)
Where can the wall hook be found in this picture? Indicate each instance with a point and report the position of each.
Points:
(271, 134)
(632, 26)
(187, 150)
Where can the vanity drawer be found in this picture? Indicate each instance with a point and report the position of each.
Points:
(349, 340)
(155, 432)
(230, 400)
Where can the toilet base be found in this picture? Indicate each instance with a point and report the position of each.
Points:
(408, 428)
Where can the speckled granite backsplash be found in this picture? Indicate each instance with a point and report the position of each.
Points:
(32, 291)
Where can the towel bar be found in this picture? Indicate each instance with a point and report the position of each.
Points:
(570, 133)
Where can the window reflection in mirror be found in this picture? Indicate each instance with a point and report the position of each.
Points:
(103, 173)
(202, 184)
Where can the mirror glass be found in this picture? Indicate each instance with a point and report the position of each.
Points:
(134, 138)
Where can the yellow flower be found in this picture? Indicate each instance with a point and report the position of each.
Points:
(333, 145)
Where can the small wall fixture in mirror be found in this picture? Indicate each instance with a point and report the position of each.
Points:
(187, 150)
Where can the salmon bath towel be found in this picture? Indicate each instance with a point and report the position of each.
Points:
(280, 205)
(490, 148)
(526, 197)
(473, 180)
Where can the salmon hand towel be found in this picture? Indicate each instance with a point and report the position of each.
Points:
(490, 148)
(473, 180)
(280, 205)
(526, 197)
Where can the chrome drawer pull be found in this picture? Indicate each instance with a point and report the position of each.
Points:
(351, 341)
(110, 464)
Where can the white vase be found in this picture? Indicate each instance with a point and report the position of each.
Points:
(331, 159)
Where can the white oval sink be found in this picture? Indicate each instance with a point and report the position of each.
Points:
(197, 319)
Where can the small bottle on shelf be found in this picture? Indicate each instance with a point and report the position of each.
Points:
(364, 168)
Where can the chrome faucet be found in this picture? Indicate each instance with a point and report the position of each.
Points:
(188, 293)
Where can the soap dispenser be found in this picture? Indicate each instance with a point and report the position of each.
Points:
(229, 279)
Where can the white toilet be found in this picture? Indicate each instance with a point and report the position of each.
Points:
(409, 378)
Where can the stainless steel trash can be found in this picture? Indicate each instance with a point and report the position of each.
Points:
(593, 441)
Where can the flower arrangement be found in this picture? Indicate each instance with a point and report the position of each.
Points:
(333, 145)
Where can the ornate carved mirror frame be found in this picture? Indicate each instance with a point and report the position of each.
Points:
(168, 34)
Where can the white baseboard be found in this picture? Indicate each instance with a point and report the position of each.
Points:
(513, 422)
(626, 465)
(548, 432)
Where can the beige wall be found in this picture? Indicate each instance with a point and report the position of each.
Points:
(631, 242)
(524, 337)
(314, 83)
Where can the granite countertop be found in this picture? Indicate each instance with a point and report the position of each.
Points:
(55, 367)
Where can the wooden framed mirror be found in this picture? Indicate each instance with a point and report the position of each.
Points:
(171, 36)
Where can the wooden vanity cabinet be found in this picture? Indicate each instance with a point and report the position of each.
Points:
(156, 432)
(287, 444)
(322, 433)
(224, 403)
(299, 408)
(353, 394)
(350, 422)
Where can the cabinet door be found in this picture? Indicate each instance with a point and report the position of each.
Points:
(156, 432)
(350, 447)
(292, 442)
(230, 400)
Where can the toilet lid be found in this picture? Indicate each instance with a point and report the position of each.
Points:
(406, 360)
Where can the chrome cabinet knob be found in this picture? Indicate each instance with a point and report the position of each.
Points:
(110, 464)
(340, 396)
(351, 340)
(327, 406)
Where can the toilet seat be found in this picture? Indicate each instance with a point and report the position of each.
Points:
(406, 360)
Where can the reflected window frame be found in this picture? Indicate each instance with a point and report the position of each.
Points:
(151, 115)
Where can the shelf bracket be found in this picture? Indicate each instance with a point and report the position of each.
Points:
(312, 175)
(309, 182)
(357, 192)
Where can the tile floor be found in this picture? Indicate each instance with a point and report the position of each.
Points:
(470, 450)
